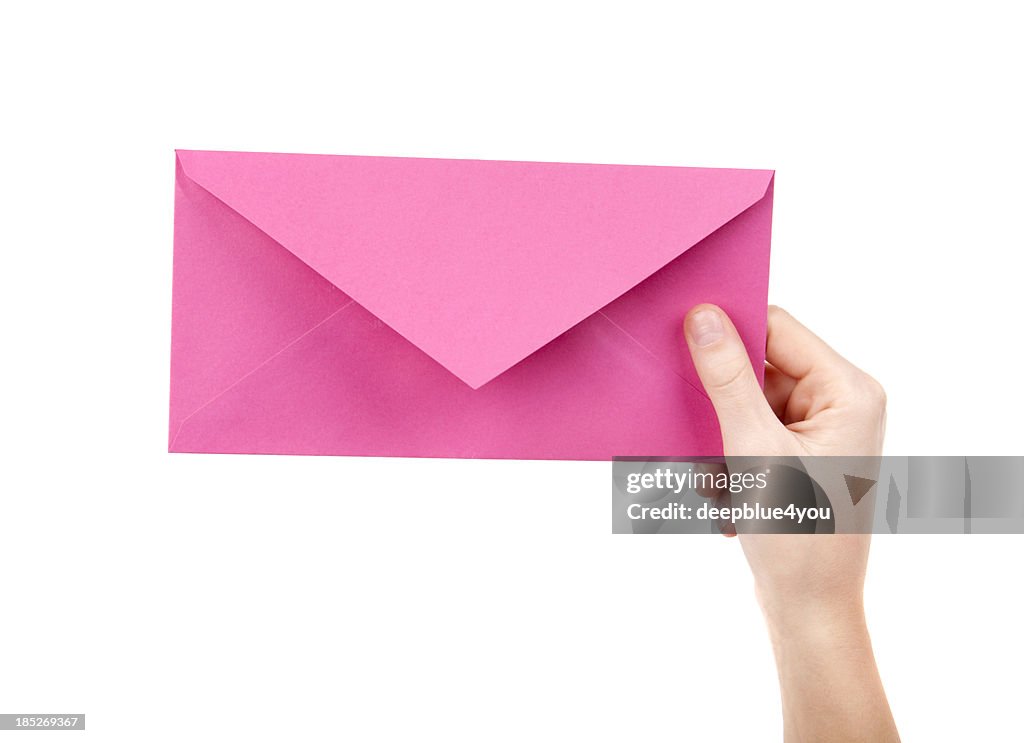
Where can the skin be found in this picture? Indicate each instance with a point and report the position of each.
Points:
(810, 587)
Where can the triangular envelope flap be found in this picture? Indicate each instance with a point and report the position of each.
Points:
(479, 263)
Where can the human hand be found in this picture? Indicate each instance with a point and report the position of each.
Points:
(809, 586)
(815, 402)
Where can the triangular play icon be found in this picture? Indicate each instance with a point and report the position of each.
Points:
(858, 487)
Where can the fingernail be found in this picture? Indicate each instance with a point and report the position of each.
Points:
(706, 327)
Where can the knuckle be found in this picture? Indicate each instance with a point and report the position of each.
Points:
(865, 389)
(730, 376)
(869, 388)
(875, 392)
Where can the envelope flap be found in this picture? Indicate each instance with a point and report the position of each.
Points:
(478, 263)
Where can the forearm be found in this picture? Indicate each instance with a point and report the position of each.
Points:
(831, 690)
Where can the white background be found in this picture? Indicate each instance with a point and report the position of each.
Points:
(261, 598)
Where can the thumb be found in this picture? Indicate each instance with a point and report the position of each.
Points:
(724, 368)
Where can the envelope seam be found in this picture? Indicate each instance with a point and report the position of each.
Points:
(253, 371)
(650, 353)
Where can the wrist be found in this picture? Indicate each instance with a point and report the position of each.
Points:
(816, 619)
(830, 687)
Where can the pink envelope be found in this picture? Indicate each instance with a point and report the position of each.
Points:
(387, 306)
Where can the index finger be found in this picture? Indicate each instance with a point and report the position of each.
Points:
(793, 349)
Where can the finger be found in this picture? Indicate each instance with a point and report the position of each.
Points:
(726, 526)
(793, 349)
(778, 388)
(724, 369)
(707, 476)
